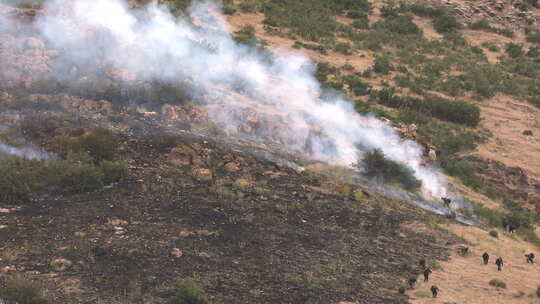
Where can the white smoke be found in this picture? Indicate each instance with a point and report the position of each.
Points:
(24, 152)
(151, 44)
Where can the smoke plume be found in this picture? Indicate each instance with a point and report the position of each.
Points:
(151, 44)
(24, 152)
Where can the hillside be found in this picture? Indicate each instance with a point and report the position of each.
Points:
(268, 151)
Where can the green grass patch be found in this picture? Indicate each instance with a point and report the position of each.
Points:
(497, 283)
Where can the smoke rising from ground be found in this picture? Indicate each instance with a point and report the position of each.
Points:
(151, 44)
(24, 152)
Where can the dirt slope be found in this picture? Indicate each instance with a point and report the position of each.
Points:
(466, 279)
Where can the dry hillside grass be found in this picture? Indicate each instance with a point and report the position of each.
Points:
(466, 279)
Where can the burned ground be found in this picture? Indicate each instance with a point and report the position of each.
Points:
(247, 229)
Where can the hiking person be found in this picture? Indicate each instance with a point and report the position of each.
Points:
(499, 262)
(485, 257)
(530, 258)
(434, 290)
(427, 272)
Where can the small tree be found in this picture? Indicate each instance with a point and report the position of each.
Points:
(189, 293)
(446, 24)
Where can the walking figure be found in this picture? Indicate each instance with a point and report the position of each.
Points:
(530, 258)
(499, 262)
(412, 282)
(485, 257)
(434, 290)
(427, 272)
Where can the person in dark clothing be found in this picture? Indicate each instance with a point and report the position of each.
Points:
(412, 282)
(446, 201)
(530, 258)
(422, 263)
(401, 290)
(485, 257)
(434, 290)
(427, 272)
(499, 262)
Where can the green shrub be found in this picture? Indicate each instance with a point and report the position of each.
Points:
(112, 171)
(493, 217)
(249, 6)
(357, 14)
(357, 86)
(245, 35)
(482, 24)
(491, 46)
(497, 283)
(426, 11)
(22, 291)
(229, 10)
(400, 24)
(534, 51)
(362, 24)
(494, 234)
(535, 100)
(19, 177)
(378, 166)
(533, 36)
(454, 111)
(514, 50)
(99, 145)
(79, 177)
(463, 170)
(344, 48)
(189, 293)
(446, 24)
(382, 65)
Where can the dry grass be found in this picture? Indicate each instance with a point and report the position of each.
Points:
(466, 279)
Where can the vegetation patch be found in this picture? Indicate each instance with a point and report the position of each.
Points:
(497, 283)
(454, 111)
(22, 291)
(189, 293)
(378, 166)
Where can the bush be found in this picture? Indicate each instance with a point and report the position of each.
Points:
(377, 165)
(99, 145)
(344, 48)
(454, 111)
(382, 65)
(357, 86)
(538, 292)
(533, 36)
(534, 52)
(79, 177)
(497, 283)
(514, 50)
(463, 170)
(112, 171)
(493, 217)
(494, 234)
(482, 24)
(189, 293)
(491, 46)
(426, 11)
(401, 24)
(362, 24)
(23, 291)
(446, 24)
